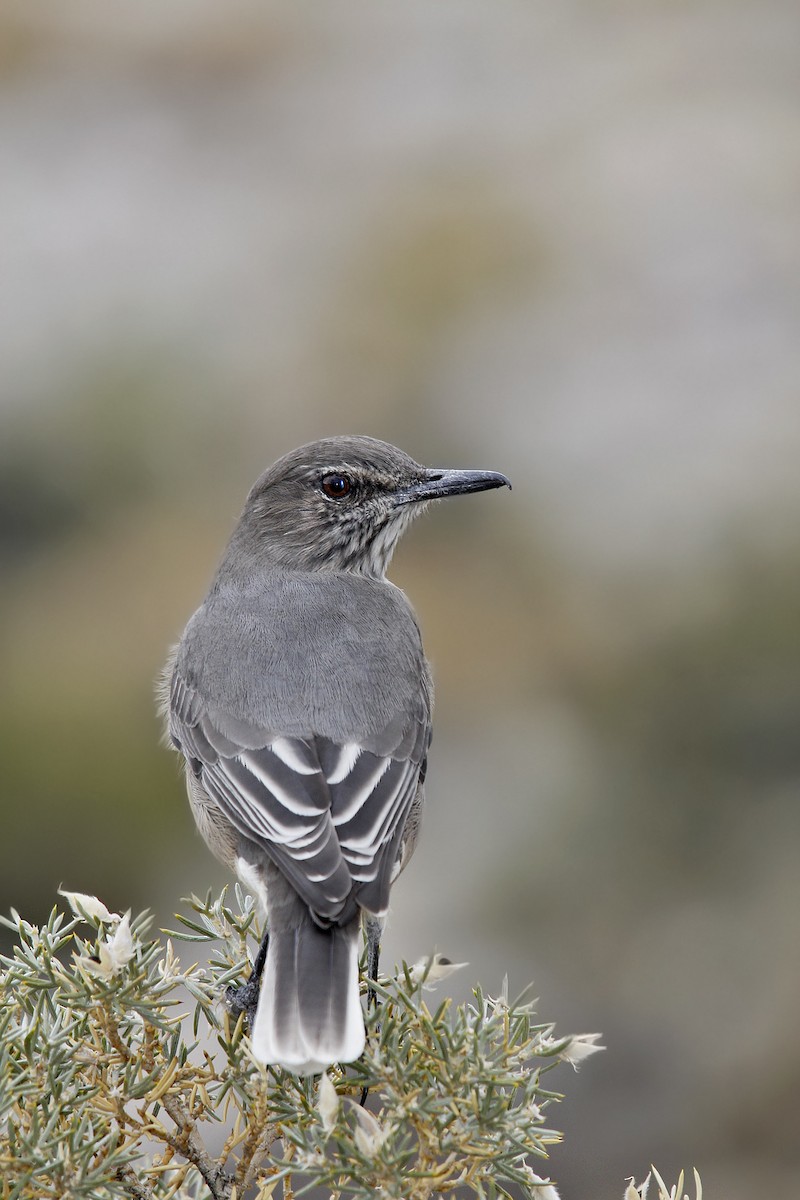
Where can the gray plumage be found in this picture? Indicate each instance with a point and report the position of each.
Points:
(301, 699)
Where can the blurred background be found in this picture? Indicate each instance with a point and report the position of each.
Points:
(559, 241)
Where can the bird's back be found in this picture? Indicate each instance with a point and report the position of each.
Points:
(328, 653)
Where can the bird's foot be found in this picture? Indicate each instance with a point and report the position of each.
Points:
(243, 999)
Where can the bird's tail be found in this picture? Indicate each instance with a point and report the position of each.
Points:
(309, 1010)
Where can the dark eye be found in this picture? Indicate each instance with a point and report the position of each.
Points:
(336, 486)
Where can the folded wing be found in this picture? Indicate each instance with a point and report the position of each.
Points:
(329, 815)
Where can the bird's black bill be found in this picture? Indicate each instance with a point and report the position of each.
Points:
(438, 484)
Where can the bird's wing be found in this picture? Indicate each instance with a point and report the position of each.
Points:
(371, 797)
(330, 816)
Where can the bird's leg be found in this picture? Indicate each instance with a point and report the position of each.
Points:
(244, 998)
(374, 929)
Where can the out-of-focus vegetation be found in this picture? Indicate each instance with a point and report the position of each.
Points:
(558, 243)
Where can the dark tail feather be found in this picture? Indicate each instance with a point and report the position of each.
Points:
(309, 1009)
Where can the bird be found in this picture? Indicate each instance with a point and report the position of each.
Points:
(300, 698)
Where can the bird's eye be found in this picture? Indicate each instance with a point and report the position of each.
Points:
(336, 487)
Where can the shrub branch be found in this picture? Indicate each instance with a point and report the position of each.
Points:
(104, 1032)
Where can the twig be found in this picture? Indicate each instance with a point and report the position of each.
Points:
(112, 1032)
(133, 1185)
(219, 1181)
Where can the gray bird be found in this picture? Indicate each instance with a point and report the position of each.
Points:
(300, 698)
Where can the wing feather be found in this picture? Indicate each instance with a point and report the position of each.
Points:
(329, 815)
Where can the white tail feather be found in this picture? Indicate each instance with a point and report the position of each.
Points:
(309, 1009)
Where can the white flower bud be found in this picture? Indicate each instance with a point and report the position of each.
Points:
(542, 1189)
(114, 953)
(634, 1192)
(581, 1047)
(89, 906)
(369, 1133)
(433, 969)
(328, 1103)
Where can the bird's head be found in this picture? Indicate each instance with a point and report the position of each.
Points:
(342, 503)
